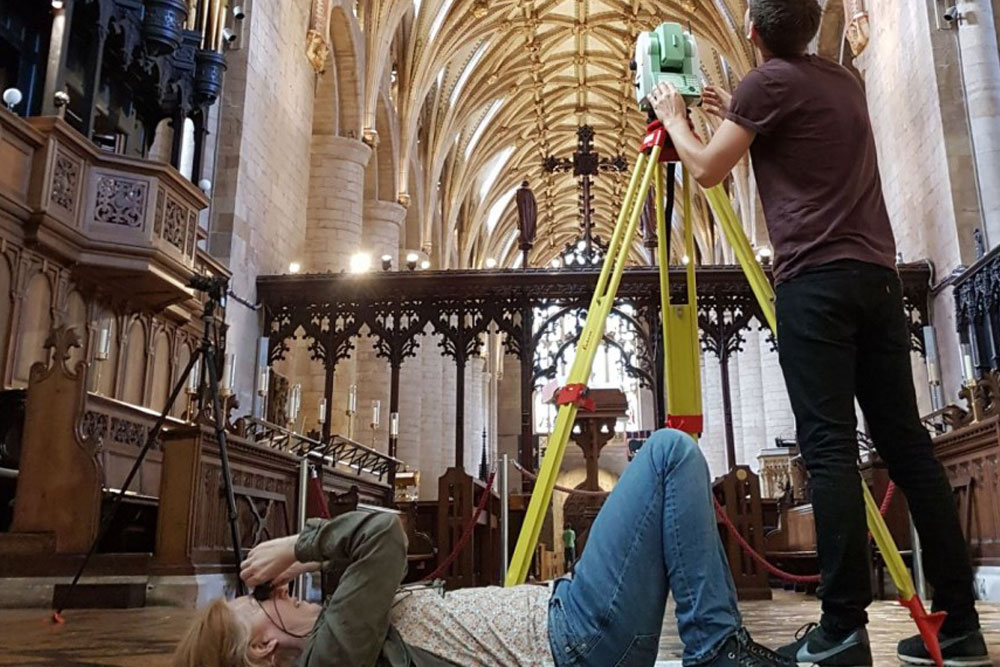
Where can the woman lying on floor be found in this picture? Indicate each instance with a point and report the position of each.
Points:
(656, 533)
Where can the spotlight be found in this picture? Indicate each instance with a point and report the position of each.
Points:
(491, 263)
(239, 13)
(764, 256)
(361, 262)
(11, 98)
(228, 36)
(58, 4)
(426, 264)
(294, 267)
(685, 260)
(205, 186)
(386, 262)
(61, 98)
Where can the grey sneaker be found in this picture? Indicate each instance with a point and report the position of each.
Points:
(968, 650)
(741, 651)
(813, 646)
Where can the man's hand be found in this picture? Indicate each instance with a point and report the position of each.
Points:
(268, 560)
(293, 571)
(668, 104)
(716, 101)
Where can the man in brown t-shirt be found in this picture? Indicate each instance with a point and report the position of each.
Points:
(841, 328)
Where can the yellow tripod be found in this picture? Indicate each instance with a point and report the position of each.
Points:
(682, 372)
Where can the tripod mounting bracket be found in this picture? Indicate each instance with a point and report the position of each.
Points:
(216, 287)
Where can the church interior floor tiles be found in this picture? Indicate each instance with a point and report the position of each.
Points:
(145, 637)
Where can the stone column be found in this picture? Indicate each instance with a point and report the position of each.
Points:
(446, 444)
(379, 236)
(509, 415)
(750, 398)
(713, 440)
(778, 419)
(333, 235)
(431, 401)
(412, 378)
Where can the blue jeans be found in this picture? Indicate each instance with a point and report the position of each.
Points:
(656, 533)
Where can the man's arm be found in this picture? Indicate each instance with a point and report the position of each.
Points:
(710, 163)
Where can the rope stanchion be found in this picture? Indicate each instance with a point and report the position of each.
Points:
(467, 532)
(564, 489)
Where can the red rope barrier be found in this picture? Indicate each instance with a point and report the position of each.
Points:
(773, 569)
(564, 489)
(466, 533)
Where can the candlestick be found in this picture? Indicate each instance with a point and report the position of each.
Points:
(376, 413)
(322, 411)
(104, 343)
(294, 402)
(352, 399)
(263, 381)
(394, 425)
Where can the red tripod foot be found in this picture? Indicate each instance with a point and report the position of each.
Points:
(929, 626)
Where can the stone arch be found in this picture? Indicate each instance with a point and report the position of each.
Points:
(6, 277)
(348, 45)
(76, 317)
(134, 371)
(387, 126)
(183, 357)
(34, 326)
(326, 111)
(159, 386)
(108, 369)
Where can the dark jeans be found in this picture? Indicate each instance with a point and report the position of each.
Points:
(842, 334)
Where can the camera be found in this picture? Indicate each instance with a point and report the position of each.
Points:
(262, 592)
(951, 14)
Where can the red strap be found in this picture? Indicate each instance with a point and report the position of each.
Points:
(686, 423)
(575, 394)
(316, 500)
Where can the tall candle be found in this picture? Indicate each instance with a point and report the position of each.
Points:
(376, 413)
(229, 372)
(195, 377)
(352, 399)
(322, 411)
(263, 381)
(104, 343)
(296, 401)
(394, 425)
(967, 369)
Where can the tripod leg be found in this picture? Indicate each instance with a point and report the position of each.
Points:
(590, 340)
(227, 476)
(154, 435)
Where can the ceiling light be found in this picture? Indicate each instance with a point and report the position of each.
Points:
(386, 262)
(294, 267)
(555, 263)
(685, 260)
(426, 264)
(491, 263)
(411, 260)
(360, 262)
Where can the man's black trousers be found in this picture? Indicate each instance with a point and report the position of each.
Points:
(842, 334)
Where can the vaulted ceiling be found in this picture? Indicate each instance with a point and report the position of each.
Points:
(483, 90)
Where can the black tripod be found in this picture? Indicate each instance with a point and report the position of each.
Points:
(216, 289)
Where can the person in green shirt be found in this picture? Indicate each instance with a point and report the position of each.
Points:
(569, 547)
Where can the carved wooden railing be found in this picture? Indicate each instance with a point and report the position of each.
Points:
(113, 216)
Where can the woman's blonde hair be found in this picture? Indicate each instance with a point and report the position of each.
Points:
(216, 638)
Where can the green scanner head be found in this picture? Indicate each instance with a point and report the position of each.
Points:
(667, 53)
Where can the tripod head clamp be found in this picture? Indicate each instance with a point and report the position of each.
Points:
(216, 287)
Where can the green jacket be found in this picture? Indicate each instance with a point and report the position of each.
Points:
(367, 552)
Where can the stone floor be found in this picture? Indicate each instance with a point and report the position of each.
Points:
(145, 637)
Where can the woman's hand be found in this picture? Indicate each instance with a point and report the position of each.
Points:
(668, 104)
(268, 560)
(716, 101)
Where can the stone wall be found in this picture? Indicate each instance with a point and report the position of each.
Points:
(262, 177)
